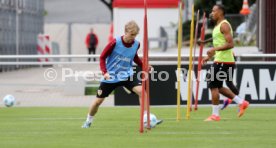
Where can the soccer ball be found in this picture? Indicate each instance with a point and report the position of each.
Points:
(9, 100)
(153, 120)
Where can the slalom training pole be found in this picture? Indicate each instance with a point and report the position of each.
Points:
(190, 65)
(202, 37)
(146, 67)
(178, 114)
(195, 43)
(142, 104)
(145, 88)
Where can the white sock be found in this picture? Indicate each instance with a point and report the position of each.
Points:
(215, 110)
(238, 100)
(89, 118)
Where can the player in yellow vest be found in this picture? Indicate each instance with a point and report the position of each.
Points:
(224, 62)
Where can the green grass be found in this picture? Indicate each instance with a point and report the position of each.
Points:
(118, 127)
(91, 90)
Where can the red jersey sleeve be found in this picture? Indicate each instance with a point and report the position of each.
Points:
(106, 52)
(137, 60)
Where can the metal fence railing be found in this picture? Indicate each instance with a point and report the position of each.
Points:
(155, 59)
(20, 23)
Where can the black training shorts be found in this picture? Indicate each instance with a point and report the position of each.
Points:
(106, 88)
(218, 73)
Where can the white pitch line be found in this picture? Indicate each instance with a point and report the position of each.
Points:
(193, 133)
(192, 118)
(53, 118)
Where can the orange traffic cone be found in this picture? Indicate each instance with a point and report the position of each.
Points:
(245, 8)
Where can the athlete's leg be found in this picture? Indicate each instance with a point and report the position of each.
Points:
(104, 90)
(214, 85)
(89, 53)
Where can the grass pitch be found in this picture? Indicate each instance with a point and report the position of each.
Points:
(118, 127)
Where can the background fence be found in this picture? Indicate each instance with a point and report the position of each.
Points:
(20, 23)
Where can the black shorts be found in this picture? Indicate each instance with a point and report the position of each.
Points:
(106, 88)
(218, 73)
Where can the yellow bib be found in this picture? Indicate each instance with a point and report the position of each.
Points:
(219, 40)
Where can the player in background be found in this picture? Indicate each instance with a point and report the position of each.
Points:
(224, 62)
(91, 42)
(229, 82)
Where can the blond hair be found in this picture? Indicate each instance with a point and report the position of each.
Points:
(132, 26)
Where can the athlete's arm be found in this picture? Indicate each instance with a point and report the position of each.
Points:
(226, 31)
(139, 62)
(205, 41)
(136, 59)
(106, 52)
(208, 40)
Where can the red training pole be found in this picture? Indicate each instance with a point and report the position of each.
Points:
(195, 43)
(202, 37)
(145, 80)
(146, 69)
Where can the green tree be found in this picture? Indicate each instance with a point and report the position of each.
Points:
(231, 6)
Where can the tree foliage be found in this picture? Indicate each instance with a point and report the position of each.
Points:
(231, 6)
